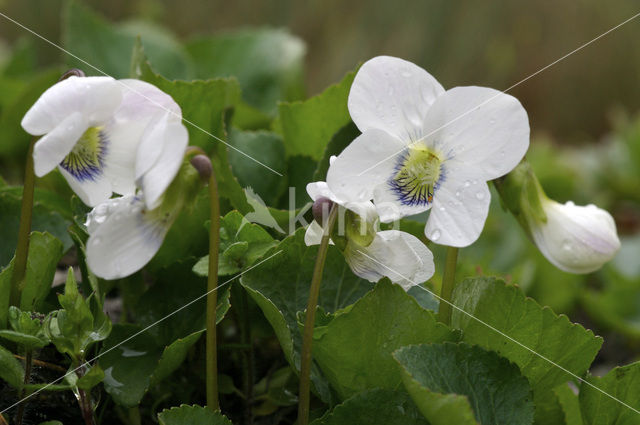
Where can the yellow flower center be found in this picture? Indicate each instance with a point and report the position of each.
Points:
(417, 176)
(85, 161)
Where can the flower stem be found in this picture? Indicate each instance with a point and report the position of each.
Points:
(26, 211)
(304, 395)
(448, 283)
(212, 297)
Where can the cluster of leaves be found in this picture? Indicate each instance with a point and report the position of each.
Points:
(380, 356)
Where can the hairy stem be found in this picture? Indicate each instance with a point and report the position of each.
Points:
(448, 283)
(212, 297)
(26, 211)
(27, 376)
(304, 395)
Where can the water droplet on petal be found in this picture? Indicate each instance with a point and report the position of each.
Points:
(390, 91)
(467, 183)
(442, 208)
(458, 193)
(571, 204)
(435, 235)
(492, 121)
(566, 245)
(405, 74)
(475, 182)
(480, 195)
(96, 241)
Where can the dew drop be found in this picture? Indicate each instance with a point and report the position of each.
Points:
(405, 74)
(96, 241)
(435, 235)
(566, 245)
(480, 195)
(390, 91)
(457, 193)
(492, 121)
(467, 183)
(442, 208)
(571, 204)
(475, 182)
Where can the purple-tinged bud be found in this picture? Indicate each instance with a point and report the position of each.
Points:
(203, 165)
(321, 208)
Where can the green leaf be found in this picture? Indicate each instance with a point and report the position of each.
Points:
(129, 366)
(462, 384)
(569, 404)
(241, 244)
(174, 355)
(78, 325)
(507, 310)
(50, 214)
(26, 331)
(603, 405)
(355, 349)
(377, 406)
(45, 250)
(307, 127)
(191, 415)
(203, 104)
(280, 287)
(267, 63)
(51, 423)
(11, 370)
(177, 286)
(93, 377)
(108, 46)
(151, 356)
(269, 149)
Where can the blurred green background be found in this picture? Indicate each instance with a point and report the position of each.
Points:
(583, 111)
(491, 43)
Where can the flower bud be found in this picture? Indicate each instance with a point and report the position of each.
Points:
(574, 238)
(321, 208)
(202, 164)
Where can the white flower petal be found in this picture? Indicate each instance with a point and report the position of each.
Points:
(576, 239)
(125, 240)
(94, 97)
(321, 189)
(388, 206)
(398, 255)
(91, 191)
(367, 162)
(393, 95)
(482, 127)
(142, 101)
(172, 140)
(53, 147)
(460, 207)
(123, 137)
(313, 234)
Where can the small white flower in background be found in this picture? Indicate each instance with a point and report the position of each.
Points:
(104, 135)
(424, 148)
(576, 239)
(397, 255)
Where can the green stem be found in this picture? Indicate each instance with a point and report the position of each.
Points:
(304, 395)
(448, 283)
(27, 376)
(26, 210)
(212, 297)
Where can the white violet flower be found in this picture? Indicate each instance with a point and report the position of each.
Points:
(104, 134)
(424, 148)
(398, 255)
(576, 239)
